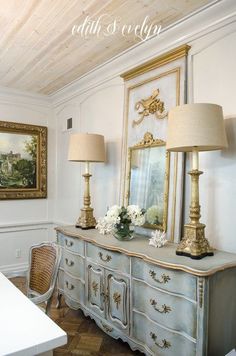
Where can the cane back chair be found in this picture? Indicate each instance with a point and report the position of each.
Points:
(44, 260)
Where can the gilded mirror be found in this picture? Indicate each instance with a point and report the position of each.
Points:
(148, 180)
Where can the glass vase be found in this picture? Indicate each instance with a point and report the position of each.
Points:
(124, 232)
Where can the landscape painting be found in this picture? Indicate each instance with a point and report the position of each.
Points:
(18, 155)
(23, 157)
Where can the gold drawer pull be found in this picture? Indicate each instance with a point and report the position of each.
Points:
(164, 278)
(165, 309)
(70, 264)
(164, 343)
(71, 287)
(106, 259)
(107, 328)
(69, 243)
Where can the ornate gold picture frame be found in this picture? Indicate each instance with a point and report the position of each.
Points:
(23, 161)
(151, 91)
(148, 180)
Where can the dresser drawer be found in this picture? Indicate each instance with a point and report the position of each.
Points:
(106, 258)
(169, 310)
(161, 341)
(169, 280)
(71, 243)
(74, 288)
(73, 264)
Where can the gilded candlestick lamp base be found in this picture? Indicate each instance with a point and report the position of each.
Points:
(86, 220)
(194, 244)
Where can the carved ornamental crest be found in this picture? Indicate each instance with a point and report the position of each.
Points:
(150, 106)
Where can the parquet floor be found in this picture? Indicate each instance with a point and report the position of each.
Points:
(84, 337)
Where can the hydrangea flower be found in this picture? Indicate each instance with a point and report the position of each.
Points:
(154, 215)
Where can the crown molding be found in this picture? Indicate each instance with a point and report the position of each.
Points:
(205, 20)
(161, 60)
(9, 95)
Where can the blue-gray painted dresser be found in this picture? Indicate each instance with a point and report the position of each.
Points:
(160, 303)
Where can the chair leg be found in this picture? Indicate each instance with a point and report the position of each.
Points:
(48, 306)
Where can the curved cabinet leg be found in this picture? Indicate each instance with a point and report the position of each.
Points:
(58, 304)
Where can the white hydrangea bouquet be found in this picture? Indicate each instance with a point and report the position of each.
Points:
(120, 221)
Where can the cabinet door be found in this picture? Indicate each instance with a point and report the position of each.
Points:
(96, 290)
(117, 300)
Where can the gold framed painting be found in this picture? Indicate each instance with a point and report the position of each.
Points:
(23, 161)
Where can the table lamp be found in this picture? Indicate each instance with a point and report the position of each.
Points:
(194, 128)
(84, 147)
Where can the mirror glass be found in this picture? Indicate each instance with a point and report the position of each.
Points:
(148, 181)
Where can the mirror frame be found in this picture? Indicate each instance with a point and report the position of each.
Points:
(148, 142)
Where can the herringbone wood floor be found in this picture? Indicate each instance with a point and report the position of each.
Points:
(84, 337)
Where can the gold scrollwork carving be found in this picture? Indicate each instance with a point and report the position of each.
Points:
(164, 278)
(150, 106)
(148, 140)
(165, 309)
(104, 259)
(164, 345)
(117, 299)
(95, 287)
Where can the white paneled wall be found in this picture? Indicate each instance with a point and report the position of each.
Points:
(214, 78)
(97, 111)
(16, 241)
(24, 222)
(99, 99)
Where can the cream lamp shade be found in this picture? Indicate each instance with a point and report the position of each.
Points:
(196, 126)
(84, 147)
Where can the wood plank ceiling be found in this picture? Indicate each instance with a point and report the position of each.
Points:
(38, 52)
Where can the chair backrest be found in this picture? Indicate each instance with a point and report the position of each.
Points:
(43, 267)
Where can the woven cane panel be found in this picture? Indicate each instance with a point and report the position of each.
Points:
(42, 267)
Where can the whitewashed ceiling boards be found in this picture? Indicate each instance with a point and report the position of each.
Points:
(38, 52)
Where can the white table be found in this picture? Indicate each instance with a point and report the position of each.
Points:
(24, 329)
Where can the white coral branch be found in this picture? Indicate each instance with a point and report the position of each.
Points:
(158, 239)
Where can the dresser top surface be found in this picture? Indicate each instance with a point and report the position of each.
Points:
(165, 256)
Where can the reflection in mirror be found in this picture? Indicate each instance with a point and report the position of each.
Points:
(148, 180)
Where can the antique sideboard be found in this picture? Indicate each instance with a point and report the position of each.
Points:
(160, 303)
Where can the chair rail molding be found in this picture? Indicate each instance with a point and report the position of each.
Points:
(24, 225)
(17, 237)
